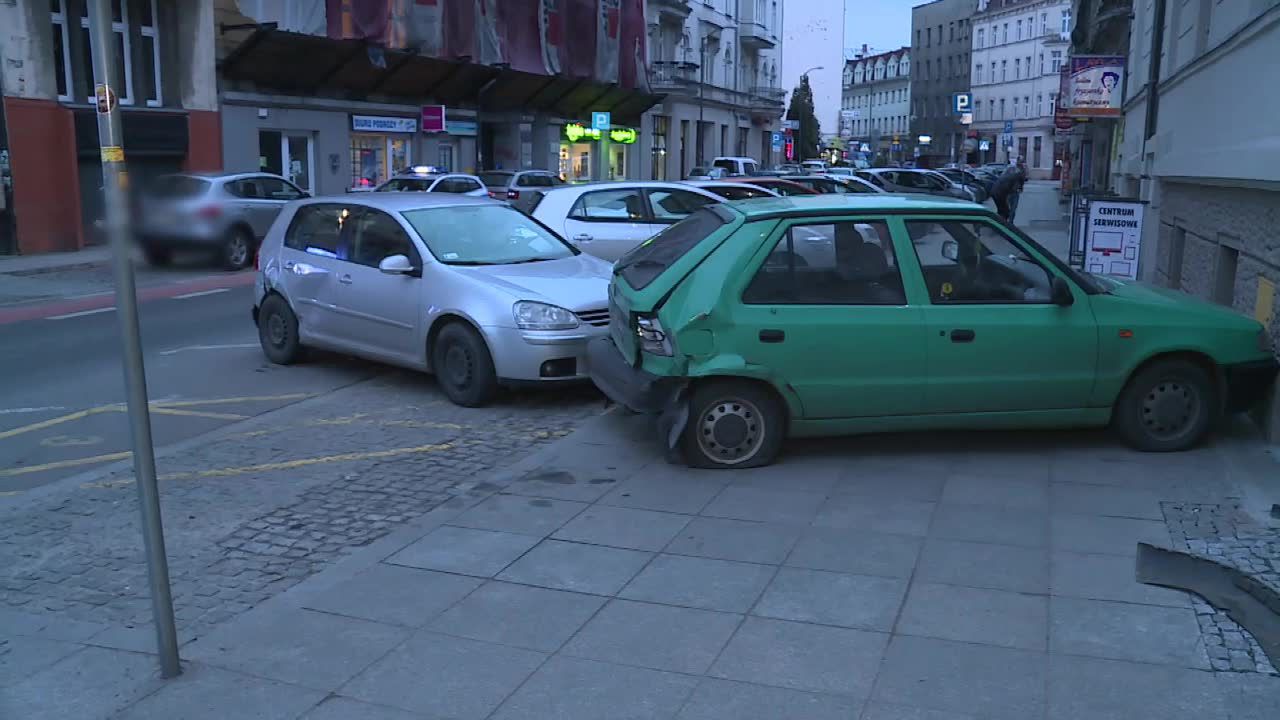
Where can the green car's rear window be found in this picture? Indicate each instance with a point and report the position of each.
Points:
(646, 262)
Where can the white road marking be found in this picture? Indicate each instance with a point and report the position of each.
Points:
(16, 411)
(232, 346)
(82, 313)
(201, 293)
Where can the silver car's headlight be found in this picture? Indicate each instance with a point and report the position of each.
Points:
(541, 316)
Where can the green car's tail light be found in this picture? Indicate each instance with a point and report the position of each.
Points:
(653, 338)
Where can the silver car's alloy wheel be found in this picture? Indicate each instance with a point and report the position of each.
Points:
(277, 334)
(458, 366)
(1169, 409)
(238, 250)
(731, 431)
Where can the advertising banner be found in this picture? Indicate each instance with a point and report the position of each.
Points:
(608, 35)
(1114, 238)
(1095, 86)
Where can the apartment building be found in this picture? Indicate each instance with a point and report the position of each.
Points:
(875, 104)
(717, 62)
(940, 49)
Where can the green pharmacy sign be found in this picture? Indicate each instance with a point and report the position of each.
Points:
(577, 132)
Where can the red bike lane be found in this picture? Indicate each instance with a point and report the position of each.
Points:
(68, 306)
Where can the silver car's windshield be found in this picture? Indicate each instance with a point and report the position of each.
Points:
(485, 235)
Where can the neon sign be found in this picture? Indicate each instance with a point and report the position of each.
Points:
(575, 132)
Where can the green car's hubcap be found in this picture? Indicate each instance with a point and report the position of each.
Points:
(1169, 409)
(730, 431)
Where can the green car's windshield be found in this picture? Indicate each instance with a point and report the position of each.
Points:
(485, 235)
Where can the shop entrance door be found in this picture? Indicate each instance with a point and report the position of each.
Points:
(290, 156)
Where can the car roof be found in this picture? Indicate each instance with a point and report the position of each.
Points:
(223, 175)
(760, 208)
(612, 184)
(401, 201)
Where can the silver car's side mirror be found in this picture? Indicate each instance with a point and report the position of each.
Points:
(396, 265)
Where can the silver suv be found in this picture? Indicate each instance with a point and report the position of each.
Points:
(428, 179)
(226, 214)
(508, 184)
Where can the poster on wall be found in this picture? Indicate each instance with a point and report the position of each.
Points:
(1114, 238)
(1096, 86)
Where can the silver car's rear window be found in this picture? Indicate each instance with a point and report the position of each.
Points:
(179, 186)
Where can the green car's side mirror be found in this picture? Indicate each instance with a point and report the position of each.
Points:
(951, 250)
(1060, 292)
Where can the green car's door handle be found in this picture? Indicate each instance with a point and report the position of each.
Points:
(772, 336)
(962, 336)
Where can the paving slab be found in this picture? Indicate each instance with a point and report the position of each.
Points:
(856, 551)
(977, 615)
(727, 700)
(876, 514)
(519, 615)
(686, 495)
(1113, 690)
(104, 681)
(892, 484)
(519, 514)
(803, 474)
(999, 526)
(981, 488)
(208, 693)
(864, 602)
(887, 711)
(301, 647)
(395, 595)
(964, 678)
(704, 583)
(629, 528)
(1125, 631)
(483, 553)
(567, 688)
(577, 485)
(802, 657)
(775, 506)
(344, 708)
(659, 637)
(984, 565)
(1088, 499)
(1250, 695)
(445, 676)
(21, 657)
(1107, 577)
(577, 567)
(1109, 535)
(740, 540)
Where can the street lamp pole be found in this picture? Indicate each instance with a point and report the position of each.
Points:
(804, 77)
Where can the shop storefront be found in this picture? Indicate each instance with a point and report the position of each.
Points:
(583, 149)
(380, 147)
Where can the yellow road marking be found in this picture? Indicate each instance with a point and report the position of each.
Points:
(165, 410)
(283, 465)
(75, 462)
(231, 400)
(11, 493)
(56, 421)
(71, 440)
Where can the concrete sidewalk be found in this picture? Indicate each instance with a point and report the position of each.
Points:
(946, 577)
(92, 256)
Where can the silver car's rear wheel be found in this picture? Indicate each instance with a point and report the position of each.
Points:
(237, 253)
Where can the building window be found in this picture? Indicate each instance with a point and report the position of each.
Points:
(1026, 106)
(928, 37)
(658, 154)
(1005, 34)
(951, 32)
(1057, 60)
(977, 73)
(1027, 64)
(61, 50)
(1019, 25)
(982, 36)
(150, 54)
(149, 37)
(1036, 148)
(1001, 108)
(1039, 103)
(1017, 68)
(1044, 23)
(1066, 21)
(1041, 63)
(1004, 70)
(1015, 106)
(995, 37)
(1053, 103)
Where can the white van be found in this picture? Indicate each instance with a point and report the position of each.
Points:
(737, 165)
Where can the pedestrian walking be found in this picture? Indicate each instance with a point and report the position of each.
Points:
(1017, 190)
(1005, 189)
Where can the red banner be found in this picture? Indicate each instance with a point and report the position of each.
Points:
(608, 36)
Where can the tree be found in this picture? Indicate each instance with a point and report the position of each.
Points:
(810, 132)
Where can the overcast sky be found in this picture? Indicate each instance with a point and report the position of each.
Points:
(816, 34)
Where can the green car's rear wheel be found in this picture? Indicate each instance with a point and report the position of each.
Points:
(1168, 406)
(733, 424)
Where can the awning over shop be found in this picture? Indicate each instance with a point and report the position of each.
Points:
(303, 64)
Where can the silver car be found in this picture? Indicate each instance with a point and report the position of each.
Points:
(508, 184)
(928, 182)
(428, 179)
(609, 218)
(225, 214)
(469, 289)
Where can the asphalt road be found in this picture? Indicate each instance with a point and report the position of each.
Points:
(63, 383)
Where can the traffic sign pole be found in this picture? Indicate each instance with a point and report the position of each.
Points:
(114, 181)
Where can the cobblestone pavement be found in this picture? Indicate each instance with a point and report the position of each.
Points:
(1220, 532)
(249, 514)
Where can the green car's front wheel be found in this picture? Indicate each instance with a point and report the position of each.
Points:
(1168, 406)
(733, 424)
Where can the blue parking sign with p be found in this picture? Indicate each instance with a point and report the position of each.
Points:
(776, 141)
(600, 121)
(962, 103)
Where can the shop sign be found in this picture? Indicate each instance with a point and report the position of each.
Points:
(924, 139)
(1114, 238)
(623, 136)
(1095, 86)
(433, 118)
(468, 128)
(577, 132)
(380, 124)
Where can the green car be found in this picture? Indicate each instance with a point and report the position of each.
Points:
(756, 320)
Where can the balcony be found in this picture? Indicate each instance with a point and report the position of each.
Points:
(753, 30)
(673, 76)
(671, 10)
(1054, 37)
(776, 94)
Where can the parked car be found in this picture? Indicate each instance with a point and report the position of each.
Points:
(841, 171)
(734, 190)
(708, 173)
(471, 290)
(981, 188)
(779, 185)
(424, 179)
(609, 218)
(814, 166)
(913, 181)
(225, 214)
(790, 169)
(508, 184)
(948, 319)
(971, 192)
(827, 184)
(737, 165)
